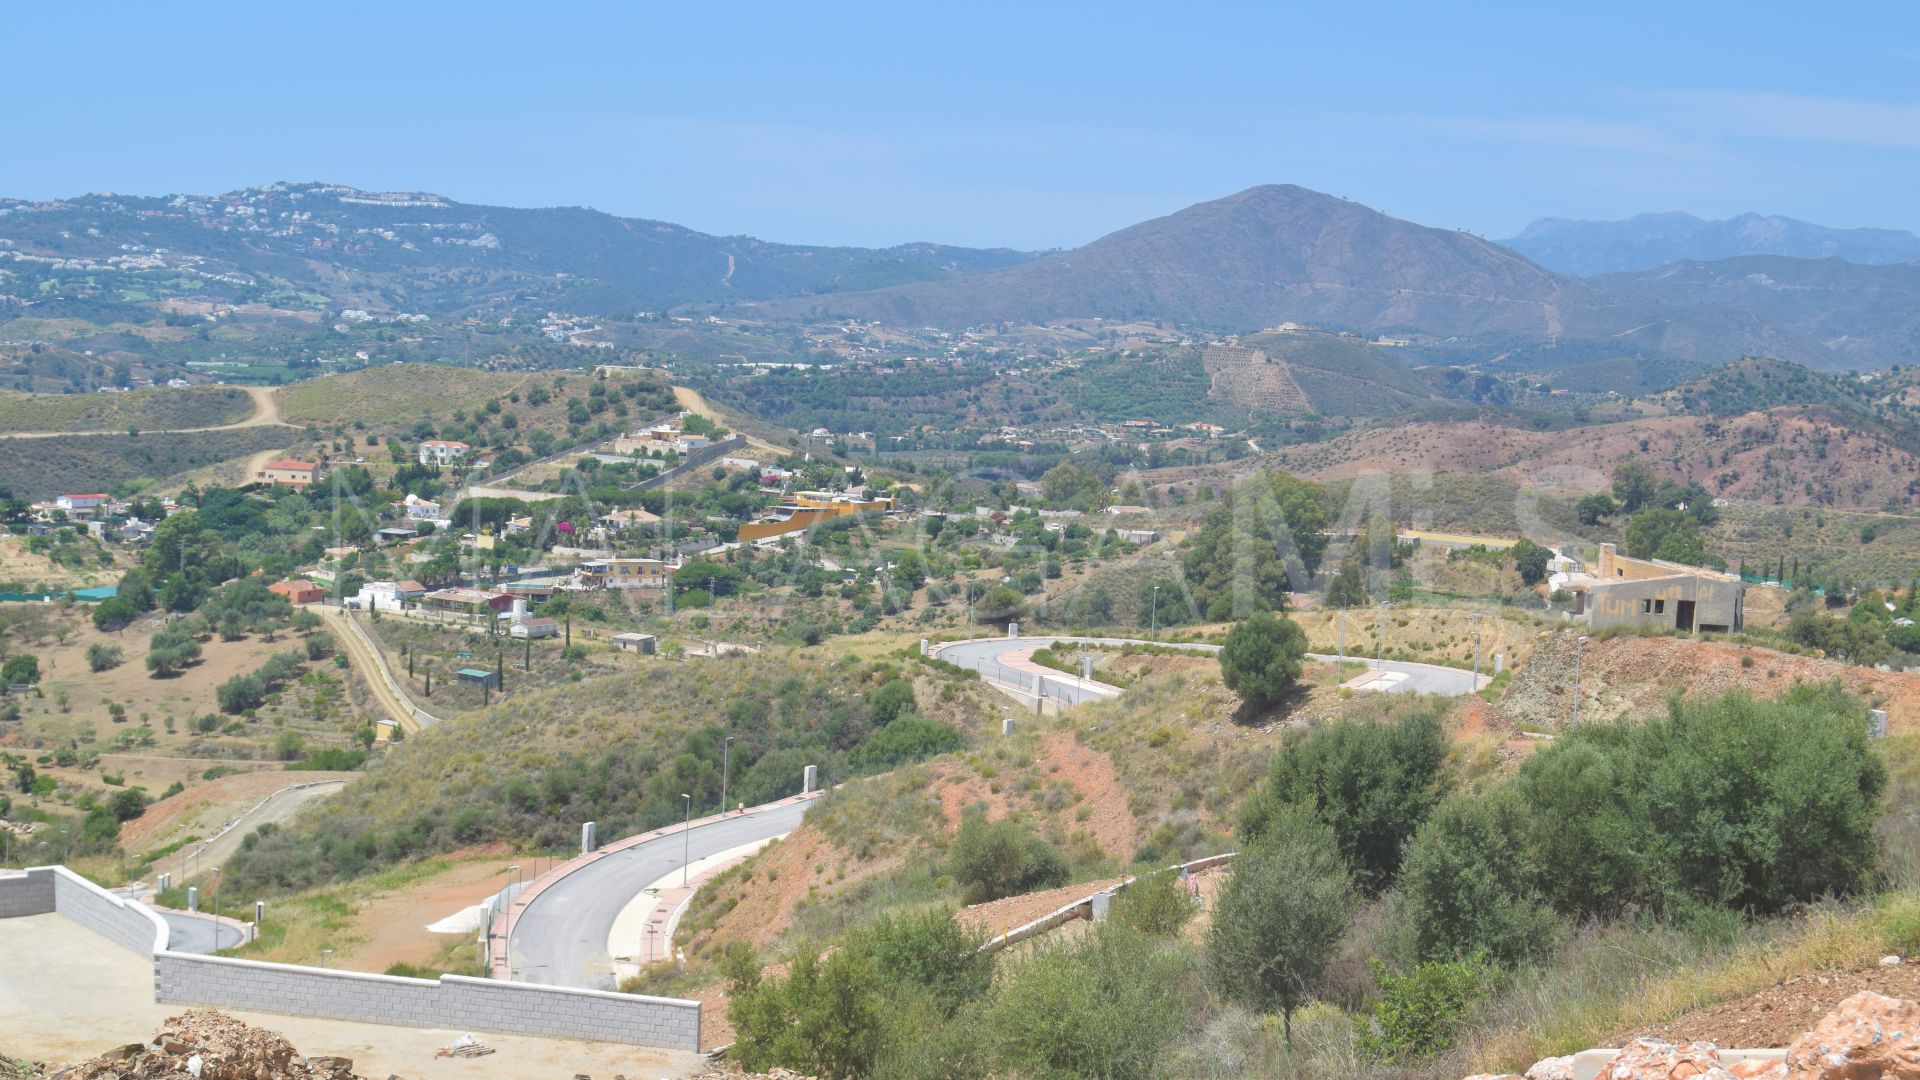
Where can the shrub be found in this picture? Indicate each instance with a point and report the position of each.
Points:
(892, 700)
(102, 657)
(1106, 1004)
(825, 1017)
(931, 952)
(1261, 659)
(1371, 783)
(1003, 858)
(1281, 915)
(910, 738)
(1467, 886)
(1724, 802)
(1420, 1014)
(1155, 903)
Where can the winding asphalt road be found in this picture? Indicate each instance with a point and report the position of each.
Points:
(194, 934)
(987, 655)
(560, 939)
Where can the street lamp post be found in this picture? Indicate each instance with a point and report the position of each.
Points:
(686, 845)
(1579, 647)
(216, 907)
(1380, 639)
(726, 753)
(1155, 632)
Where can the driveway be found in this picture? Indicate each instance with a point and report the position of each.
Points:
(561, 937)
(197, 934)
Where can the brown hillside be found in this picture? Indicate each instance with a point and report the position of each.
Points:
(1794, 455)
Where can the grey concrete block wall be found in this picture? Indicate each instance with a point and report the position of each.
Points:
(131, 925)
(451, 1002)
(30, 893)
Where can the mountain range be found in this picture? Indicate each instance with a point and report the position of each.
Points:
(1586, 248)
(1281, 253)
(1265, 256)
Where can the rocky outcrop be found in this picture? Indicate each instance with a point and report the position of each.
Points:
(209, 1046)
(1868, 1036)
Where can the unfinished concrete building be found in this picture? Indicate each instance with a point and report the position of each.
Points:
(1627, 592)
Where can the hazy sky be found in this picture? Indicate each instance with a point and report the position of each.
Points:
(1030, 125)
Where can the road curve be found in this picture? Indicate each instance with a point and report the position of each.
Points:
(560, 938)
(989, 656)
(198, 933)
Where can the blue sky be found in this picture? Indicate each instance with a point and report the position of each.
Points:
(1029, 125)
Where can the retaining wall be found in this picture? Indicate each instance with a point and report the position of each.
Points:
(25, 894)
(451, 1001)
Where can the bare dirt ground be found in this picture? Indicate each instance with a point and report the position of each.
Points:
(19, 564)
(1630, 678)
(1782, 1012)
(70, 994)
(1764, 456)
(999, 916)
(392, 927)
(204, 808)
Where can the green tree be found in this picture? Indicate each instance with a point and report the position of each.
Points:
(1348, 589)
(1634, 485)
(103, 657)
(1660, 533)
(1371, 782)
(1260, 660)
(931, 952)
(1280, 917)
(1155, 903)
(1531, 560)
(1594, 508)
(21, 669)
(113, 615)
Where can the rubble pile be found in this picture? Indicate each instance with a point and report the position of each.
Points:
(1868, 1036)
(209, 1046)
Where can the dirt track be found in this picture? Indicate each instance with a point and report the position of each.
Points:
(266, 413)
(390, 697)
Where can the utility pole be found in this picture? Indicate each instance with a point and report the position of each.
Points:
(686, 844)
(1154, 633)
(1476, 653)
(726, 752)
(1380, 638)
(1579, 646)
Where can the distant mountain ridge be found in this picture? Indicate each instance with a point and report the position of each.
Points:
(1281, 253)
(1587, 248)
(417, 251)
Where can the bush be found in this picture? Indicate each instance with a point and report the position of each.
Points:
(1467, 885)
(1106, 1004)
(1155, 903)
(103, 657)
(1261, 659)
(1724, 802)
(1371, 783)
(1420, 1014)
(910, 738)
(825, 1017)
(1003, 858)
(893, 699)
(931, 952)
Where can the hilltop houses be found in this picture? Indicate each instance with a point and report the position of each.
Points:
(289, 471)
(443, 452)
